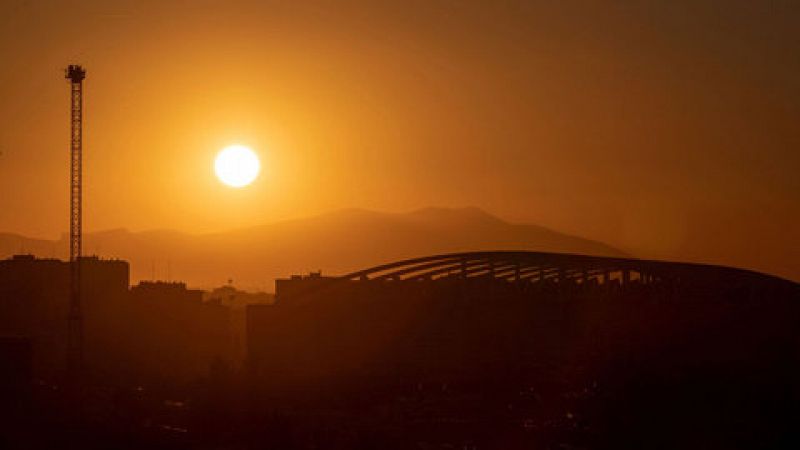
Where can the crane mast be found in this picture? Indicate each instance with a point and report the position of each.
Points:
(75, 74)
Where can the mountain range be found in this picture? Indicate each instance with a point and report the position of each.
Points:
(335, 243)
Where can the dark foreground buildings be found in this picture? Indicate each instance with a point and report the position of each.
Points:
(154, 332)
(34, 299)
(493, 350)
(522, 350)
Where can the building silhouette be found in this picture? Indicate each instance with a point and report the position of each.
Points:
(151, 331)
(34, 300)
(522, 349)
(486, 350)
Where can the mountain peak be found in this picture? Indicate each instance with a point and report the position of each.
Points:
(454, 216)
(336, 242)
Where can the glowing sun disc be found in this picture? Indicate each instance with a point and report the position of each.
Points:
(237, 166)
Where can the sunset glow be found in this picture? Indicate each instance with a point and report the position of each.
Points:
(404, 225)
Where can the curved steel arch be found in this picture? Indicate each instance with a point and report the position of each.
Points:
(496, 263)
(533, 267)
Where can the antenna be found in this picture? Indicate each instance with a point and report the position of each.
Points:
(75, 74)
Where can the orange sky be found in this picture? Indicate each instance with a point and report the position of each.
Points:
(668, 130)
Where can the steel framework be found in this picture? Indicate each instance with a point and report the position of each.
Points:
(559, 269)
(76, 75)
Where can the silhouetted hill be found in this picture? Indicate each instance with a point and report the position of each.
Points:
(336, 242)
(11, 243)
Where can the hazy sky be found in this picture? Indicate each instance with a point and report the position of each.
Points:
(670, 129)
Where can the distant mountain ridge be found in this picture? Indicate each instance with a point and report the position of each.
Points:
(335, 242)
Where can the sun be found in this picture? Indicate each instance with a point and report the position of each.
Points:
(237, 166)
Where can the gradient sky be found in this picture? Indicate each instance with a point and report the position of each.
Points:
(669, 129)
